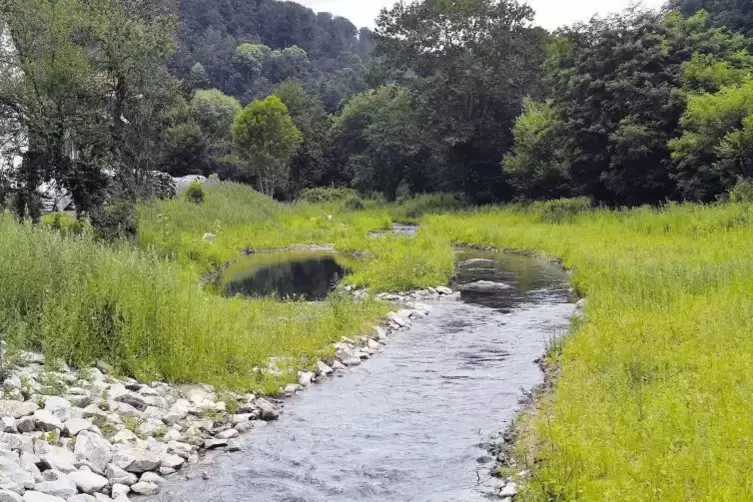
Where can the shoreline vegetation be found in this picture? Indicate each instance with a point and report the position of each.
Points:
(652, 392)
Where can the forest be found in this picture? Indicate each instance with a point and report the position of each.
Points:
(639, 107)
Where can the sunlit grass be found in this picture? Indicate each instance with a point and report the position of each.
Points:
(655, 393)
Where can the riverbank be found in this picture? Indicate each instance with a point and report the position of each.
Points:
(650, 397)
(85, 435)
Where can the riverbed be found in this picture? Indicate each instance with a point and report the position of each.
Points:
(410, 424)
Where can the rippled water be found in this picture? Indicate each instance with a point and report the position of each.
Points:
(407, 425)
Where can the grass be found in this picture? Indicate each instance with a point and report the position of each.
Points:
(654, 395)
(80, 301)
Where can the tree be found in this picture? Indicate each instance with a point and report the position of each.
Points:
(266, 138)
(378, 142)
(308, 114)
(469, 64)
(198, 78)
(537, 167)
(616, 83)
(214, 112)
(737, 15)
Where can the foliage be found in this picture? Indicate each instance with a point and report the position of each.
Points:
(245, 48)
(195, 193)
(115, 221)
(537, 167)
(326, 194)
(376, 140)
(266, 138)
(467, 66)
(737, 15)
(742, 192)
(308, 165)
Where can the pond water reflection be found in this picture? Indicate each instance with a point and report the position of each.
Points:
(305, 275)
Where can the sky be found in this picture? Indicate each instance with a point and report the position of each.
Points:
(550, 14)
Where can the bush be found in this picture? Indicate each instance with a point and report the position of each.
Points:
(560, 210)
(327, 194)
(354, 203)
(65, 224)
(115, 221)
(196, 194)
(742, 192)
(411, 209)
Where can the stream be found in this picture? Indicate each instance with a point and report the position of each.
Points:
(410, 423)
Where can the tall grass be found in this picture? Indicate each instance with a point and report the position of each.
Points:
(80, 301)
(655, 396)
(241, 218)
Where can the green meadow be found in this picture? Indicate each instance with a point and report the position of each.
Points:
(654, 389)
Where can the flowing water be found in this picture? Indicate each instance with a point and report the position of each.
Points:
(409, 424)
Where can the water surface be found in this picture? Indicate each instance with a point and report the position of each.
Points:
(408, 424)
(307, 275)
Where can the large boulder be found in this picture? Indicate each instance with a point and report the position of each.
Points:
(10, 441)
(94, 448)
(35, 496)
(59, 485)
(14, 477)
(116, 475)
(17, 409)
(88, 482)
(136, 460)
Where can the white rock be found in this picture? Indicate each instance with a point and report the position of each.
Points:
(118, 490)
(174, 462)
(82, 497)
(323, 369)
(94, 448)
(306, 378)
(373, 344)
(267, 410)
(58, 406)
(116, 475)
(11, 473)
(12, 382)
(124, 436)
(211, 444)
(338, 366)
(17, 409)
(228, 434)
(509, 490)
(76, 425)
(352, 361)
(9, 496)
(8, 424)
(46, 421)
(35, 496)
(151, 477)
(136, 460)
(183, 450)
(143, 488)
(55, 457)
(399, 320)
(62, 487)
(172, 435)
(88, 482)
(443, 290)
(29, 461)
(291, 388)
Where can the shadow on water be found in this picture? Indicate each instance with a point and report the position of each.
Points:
(310, 276)
(407, 424)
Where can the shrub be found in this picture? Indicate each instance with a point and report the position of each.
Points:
(354, 203)
(327, 194)
(196, 194)
(561, 210)
(117, 220)
(742, 192)
(411, 209)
